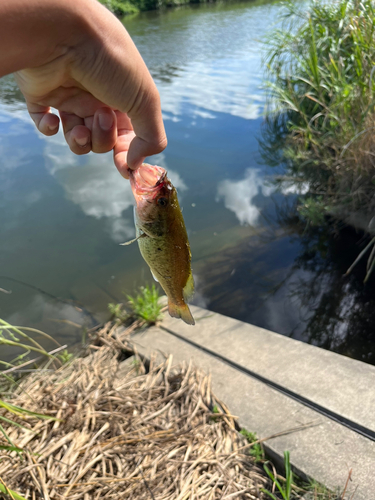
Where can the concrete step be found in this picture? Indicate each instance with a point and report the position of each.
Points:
(273, 384)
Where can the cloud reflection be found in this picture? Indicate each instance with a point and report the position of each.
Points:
(41, 309)
(212, 87)
(93, 183)
(295, 188)
(198, 298)
(17, 116)
(239, 196)
(13, 123)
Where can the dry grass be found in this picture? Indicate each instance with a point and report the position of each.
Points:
(127, 433)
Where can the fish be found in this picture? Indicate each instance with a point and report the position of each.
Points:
(162, 237)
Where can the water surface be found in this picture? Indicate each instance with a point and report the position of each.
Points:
(62, 217)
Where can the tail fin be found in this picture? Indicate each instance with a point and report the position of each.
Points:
(182, 312)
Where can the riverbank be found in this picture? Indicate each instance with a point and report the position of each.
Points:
(126, 427)
(316, 404)
(115, 421)
(125, 7)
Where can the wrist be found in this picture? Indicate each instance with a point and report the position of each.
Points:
(104, 57)
(35, 32)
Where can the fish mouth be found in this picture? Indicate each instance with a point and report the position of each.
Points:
(147, 179)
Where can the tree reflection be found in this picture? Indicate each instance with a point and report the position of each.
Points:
(165, 73)
(9, 91)
(341, 308)
(337, 311)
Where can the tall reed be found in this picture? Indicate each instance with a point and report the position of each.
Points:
(320, 71)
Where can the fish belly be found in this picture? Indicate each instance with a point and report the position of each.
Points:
(160, 261)
(170, 266)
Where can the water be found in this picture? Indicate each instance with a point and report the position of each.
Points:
(62, 217)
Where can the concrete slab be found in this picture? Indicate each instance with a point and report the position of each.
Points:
(326, 451)
(342, 387)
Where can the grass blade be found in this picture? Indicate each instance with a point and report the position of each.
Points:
(12, 494)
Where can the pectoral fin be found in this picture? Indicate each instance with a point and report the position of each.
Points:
(143, 235)
(182, 312)
(153, 275)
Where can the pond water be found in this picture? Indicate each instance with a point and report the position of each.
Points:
(62, 217)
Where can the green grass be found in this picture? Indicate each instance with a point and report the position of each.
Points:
(284, 488)
(256, 450)
(65, 356)
(289, 486)
(321, 121)
(145, 304)
(10, 493)
(18, 338)
(118, 313)
(23, 413)
(215, 410)
(136, 364)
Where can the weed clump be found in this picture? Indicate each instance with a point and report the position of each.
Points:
(145, 304)
(320, 70)
(256, 449)
(118, 313)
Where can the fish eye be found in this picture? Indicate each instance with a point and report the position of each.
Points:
(162, 202)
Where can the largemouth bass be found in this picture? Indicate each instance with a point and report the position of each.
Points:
(162, 237)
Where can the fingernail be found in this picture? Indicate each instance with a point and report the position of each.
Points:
(53, 127)
(81, 141)
(105, 121)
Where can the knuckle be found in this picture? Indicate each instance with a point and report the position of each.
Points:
(161, 144)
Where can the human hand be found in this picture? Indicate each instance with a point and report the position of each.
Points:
(95, 77)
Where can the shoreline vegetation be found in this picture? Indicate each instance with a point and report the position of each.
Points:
(321, 113)
(105, 422)
(123, 8)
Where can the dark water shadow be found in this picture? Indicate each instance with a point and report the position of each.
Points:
(292, 281)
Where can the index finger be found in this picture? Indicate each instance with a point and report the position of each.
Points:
(125, 135)
(146, 118)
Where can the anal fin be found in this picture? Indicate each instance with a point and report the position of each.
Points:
(188, 290)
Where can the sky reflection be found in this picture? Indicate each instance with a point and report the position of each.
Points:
(239, 195)
(94, 184)
(209, 57)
